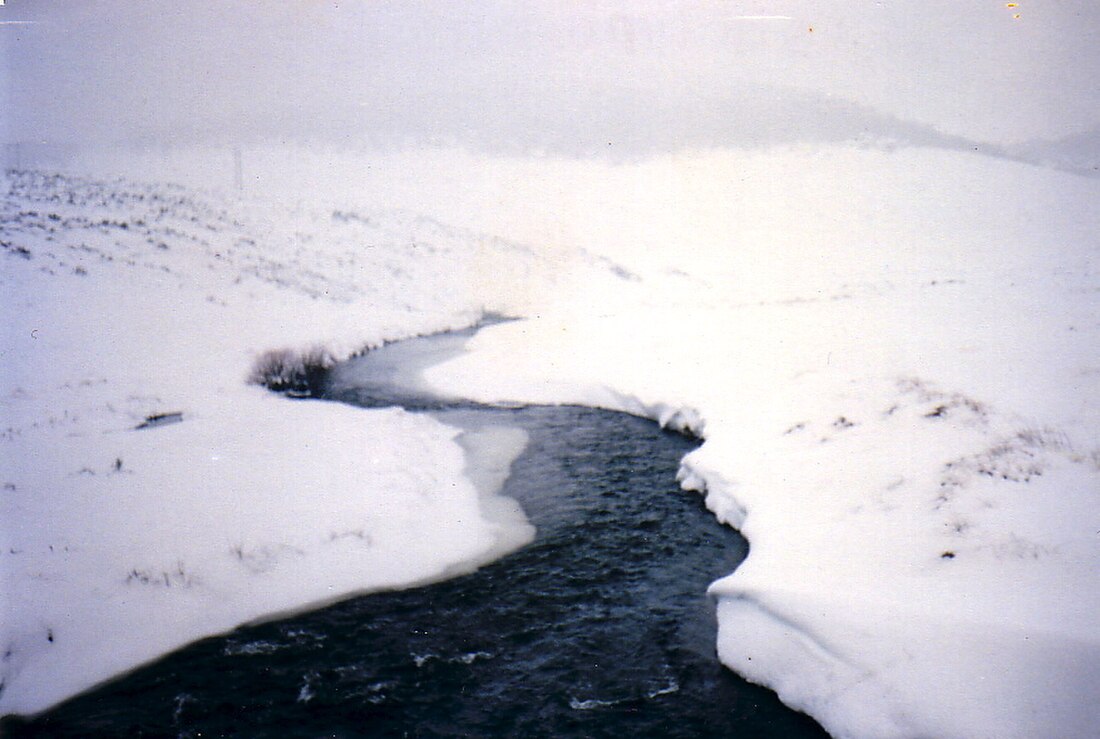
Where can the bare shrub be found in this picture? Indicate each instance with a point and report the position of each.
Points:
(295, 373)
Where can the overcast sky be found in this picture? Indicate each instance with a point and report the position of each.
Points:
(551, 74)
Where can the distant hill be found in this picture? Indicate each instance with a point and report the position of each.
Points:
(1078, 153)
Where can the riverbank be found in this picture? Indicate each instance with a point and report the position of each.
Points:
(889, 356)
(125, 538)
(906, 429)
(599, 626)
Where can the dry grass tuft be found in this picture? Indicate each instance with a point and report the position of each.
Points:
(295, 373)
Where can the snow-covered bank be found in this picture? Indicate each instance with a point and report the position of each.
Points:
(891, 357)
(907, 430)
(126, 302)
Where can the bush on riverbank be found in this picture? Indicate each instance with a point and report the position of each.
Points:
(293, 372)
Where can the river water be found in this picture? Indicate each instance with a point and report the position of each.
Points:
(599, 627)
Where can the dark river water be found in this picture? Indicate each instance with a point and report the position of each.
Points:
(600, 627)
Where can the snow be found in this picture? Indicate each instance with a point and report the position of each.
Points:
(907, 431)
(120, 543)
(889, 355)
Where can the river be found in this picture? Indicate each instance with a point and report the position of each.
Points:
(599, 627)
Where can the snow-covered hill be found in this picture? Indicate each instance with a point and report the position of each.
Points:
(125, 303)
(891, 357)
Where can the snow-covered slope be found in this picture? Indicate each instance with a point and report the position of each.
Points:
(124, 303)
(891, 357)
(896, 378)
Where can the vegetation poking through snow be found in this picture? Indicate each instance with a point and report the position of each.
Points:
(263, 558)
(299, 374)
(176, 577)
(1017, 458)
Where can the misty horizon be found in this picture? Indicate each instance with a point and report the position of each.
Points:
(577, 81)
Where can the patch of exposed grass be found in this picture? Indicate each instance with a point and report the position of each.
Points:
(296, 373)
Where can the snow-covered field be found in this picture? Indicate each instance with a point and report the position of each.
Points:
(127, 302)
(891, 357)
